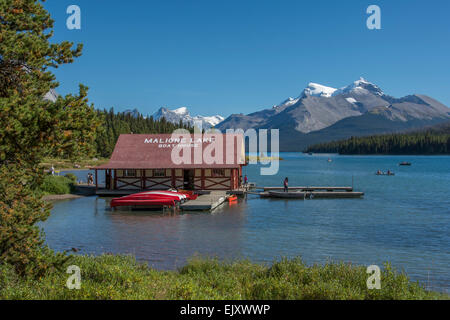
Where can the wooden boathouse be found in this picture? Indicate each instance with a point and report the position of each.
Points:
(183, 161)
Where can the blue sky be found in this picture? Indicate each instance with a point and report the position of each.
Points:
(223, 57)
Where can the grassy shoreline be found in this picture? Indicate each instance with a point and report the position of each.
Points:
(121, 277)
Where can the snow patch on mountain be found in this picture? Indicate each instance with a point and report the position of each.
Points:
(181, 111)
(318, 90)
(288, 102)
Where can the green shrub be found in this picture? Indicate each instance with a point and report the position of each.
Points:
(121, 277)
(56, 185)
(71, 177)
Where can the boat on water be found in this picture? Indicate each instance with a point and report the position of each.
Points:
(153, 199)
(288, 195)
(385, 174)
(405, 163)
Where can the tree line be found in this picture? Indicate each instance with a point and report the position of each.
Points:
(434, 140)
(114, 124)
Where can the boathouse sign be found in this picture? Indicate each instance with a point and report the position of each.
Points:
(179, 142)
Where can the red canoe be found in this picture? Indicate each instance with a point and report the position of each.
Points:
(157, 198)
(159, 194)
(119, 202)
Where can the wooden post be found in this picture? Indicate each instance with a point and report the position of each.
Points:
(231, 179)
(115, 179)
(143, 178)
(96, 180)
(110, 179)
(203, 179)
(173, 178)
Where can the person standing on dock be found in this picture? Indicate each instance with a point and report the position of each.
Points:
(245, 180)
(286, 185)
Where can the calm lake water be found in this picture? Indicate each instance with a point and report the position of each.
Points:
(404, 219)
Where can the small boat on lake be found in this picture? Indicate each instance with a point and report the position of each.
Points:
(405, 163)
(287, 195)
(385, 174)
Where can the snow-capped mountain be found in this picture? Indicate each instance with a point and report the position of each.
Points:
(133, 112)
(322, 113)
(183, 114)
(359, 86)
(52, 95)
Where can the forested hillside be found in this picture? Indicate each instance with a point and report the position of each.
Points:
(431, 140)
(114, 124)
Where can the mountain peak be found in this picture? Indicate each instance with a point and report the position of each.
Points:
(181, 111)
(360, 85)
(318, 90)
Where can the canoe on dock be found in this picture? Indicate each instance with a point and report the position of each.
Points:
(288, 195)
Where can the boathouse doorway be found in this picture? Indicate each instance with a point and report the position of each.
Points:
(188, 178)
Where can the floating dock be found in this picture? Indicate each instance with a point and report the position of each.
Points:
(205, 202)
(319, 194)
(348, 189)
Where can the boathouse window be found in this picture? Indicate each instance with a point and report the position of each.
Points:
(159, 173)
(129, 173)
(218, 172)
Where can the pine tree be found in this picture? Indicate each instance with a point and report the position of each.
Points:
(31, 127)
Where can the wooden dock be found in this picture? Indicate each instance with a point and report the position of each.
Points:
(205, 202)
(348, 189)
(115, 193)
(321, 194)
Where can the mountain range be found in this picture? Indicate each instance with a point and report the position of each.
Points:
(321, 113)
(182, 114)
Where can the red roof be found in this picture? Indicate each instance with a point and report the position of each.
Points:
(161, 151)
